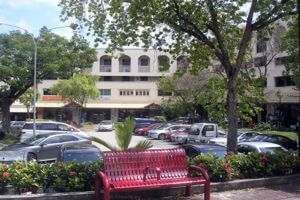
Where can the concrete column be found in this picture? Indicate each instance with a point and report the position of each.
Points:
(114, 114)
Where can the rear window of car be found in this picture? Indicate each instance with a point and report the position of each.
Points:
(81, 157)
(28, 126)
(49, 126)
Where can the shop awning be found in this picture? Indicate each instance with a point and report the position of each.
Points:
(50, 104)
(18, 109)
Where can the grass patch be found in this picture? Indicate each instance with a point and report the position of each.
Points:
(10, 138)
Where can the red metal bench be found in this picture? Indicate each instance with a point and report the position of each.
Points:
(150, 169)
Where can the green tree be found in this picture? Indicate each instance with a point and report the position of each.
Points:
(204, 30)
(78, 89)
(27, 98)
(290, 44)
(56, 57)
(123, 137)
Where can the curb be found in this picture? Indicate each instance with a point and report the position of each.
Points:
(155, 194)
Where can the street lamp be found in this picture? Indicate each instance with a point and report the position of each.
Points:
(34, 76)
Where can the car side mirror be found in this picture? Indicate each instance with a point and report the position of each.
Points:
(42, 145)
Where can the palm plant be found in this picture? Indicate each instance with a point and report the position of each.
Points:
(123, 136)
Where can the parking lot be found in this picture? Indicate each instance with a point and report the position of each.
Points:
(109, 136)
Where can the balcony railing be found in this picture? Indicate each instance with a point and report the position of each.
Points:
(105, 68)
(124, 68)
(144, 68)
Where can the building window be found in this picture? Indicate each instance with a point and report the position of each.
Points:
(126, 93)
(107, 78)
(283, 81)
(48, 92)
(105, 64)
(142, 92)
(144, 64)
(124, 64)
(260, 61)
(281, 60)
(163, 93)
(261, 43)
(105, 92)
(144, 78)
(125, 78)
(163, 63)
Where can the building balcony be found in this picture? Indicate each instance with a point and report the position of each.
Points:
(144, 68)
(124, 68)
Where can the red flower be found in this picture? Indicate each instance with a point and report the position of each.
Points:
(229, 177)
(263, 158)
(229, 170)
(72, 173)
(5, 174)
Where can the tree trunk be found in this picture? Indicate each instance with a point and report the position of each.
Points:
(28, 114)
(232, 115)
(5, 107)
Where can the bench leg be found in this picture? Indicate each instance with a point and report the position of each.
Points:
(207, 191)
(188, 190)
(106, 195)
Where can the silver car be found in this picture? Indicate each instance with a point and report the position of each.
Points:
(46, 147)
(105, 125)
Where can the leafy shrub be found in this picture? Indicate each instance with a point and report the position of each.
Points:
(160, 117)
(263, 126)
(4, 176)
(26, 177)
(74, 176)
(218, 169)
(252, 165)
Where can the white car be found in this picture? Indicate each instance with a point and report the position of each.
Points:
(242, 136)
(260, 147)
(181, 139)
(105, 125)
(47, 127)
(160, 133)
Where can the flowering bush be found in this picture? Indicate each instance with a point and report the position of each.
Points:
(31, 177)
(4, 176)
(252, 165)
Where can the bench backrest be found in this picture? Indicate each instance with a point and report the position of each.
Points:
(131, 165)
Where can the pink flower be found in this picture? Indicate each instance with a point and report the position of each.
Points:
(5, 174)
(72, 173)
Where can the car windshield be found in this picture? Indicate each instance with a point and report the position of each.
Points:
(34, 140)
(195, 128)
(81, 157)
(271, 149)
(106, 122)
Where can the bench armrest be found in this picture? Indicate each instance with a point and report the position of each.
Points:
(200, 170)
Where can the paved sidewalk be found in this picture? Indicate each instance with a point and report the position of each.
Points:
(283, 192)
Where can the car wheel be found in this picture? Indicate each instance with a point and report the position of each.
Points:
(161, 136)
(32, 157)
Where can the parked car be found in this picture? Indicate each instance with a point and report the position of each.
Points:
(180, 139)
(8, 157)
(105, 125)
(277, 139)
(183, 130)
(202, 132)
(242, 136)
(144, 122)
(49, 127)
(46, 147)
(15, 126)
(160, 133)
(260, 147)
(144, 130)
(80, 153)
(193, 150)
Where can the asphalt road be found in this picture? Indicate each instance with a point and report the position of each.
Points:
(109, 137)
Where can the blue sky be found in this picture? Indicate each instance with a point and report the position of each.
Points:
(32, 15)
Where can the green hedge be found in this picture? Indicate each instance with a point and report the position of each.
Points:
(253, 165)
(60, 177)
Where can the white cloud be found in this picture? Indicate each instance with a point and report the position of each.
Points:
(23, 24)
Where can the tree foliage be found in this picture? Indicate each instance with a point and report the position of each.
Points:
(123, 137)
(290, 44)
(204, 30)
(27, 98)
(56, 57)
(78, 89)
